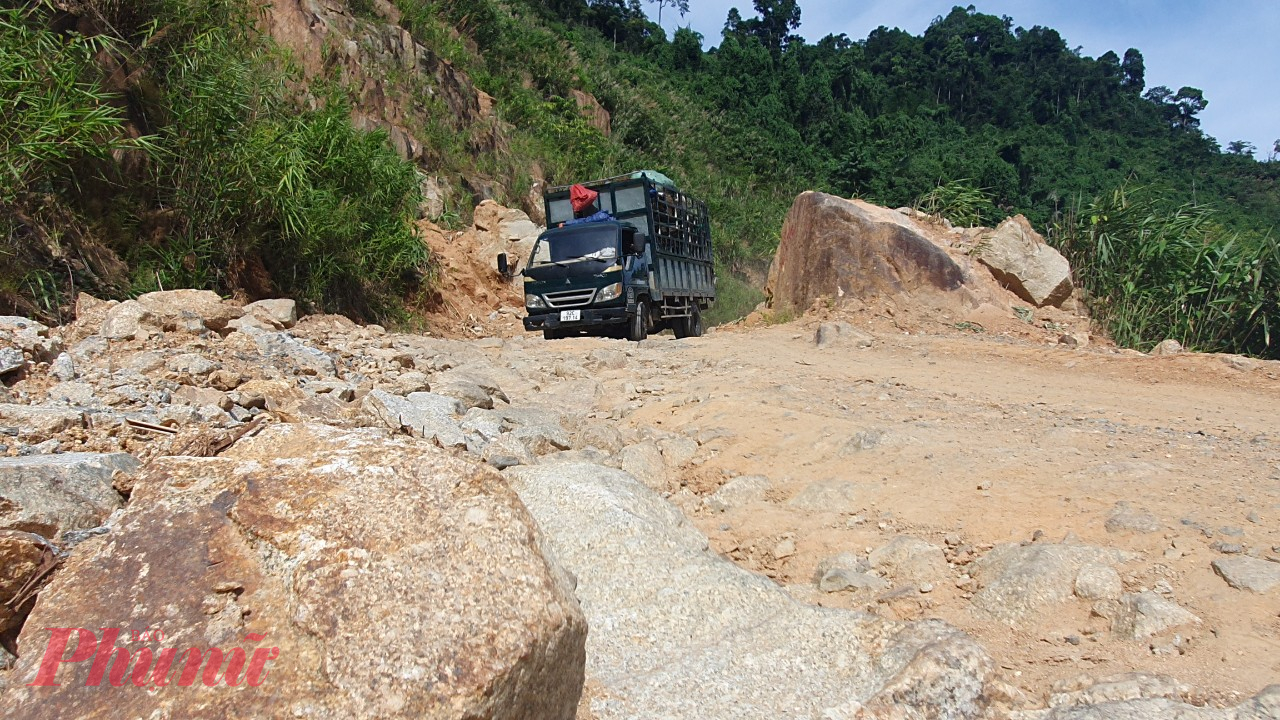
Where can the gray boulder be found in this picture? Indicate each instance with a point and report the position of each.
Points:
(285, 346)
(910, 559)
(281, 313)
(49, 494)
(424, 415)
(679, 632)
(1025, 264)
(738, 492)
(1019, 582)
(1247, 573)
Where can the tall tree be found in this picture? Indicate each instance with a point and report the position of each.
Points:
(777, 19)
(1135, 70)
(682, 6)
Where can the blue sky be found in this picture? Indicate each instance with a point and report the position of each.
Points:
(1229, 49)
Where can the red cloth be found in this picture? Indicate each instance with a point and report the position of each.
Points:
(581, 198)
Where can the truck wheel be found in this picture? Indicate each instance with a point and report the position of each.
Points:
(694, 322)
(639, 327)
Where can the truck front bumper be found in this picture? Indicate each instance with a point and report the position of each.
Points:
(591, 317)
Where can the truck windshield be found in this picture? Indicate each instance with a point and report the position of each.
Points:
(577, 244)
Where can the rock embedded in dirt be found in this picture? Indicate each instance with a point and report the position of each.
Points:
(295, 352)
(909, 559)
(1247, 573)
(738, 492)
(831, 333)
(1021, 582)
(1138, 616)
(126, 321)
(644, 462)
(1126, 518)
(1098, 582)
(678, 632)
(833, 495)
(1167, 347)
(284, 542)
(1023, 262)
(50, 494)
(834, 247)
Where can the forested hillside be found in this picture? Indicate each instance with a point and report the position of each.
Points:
(978, 118)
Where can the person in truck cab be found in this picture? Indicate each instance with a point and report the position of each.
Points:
(586, 206)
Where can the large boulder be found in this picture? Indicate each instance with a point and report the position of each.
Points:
(833, 247)
(366, 576)
(1022, 583)
(1022, 262)
(179, 309)
(679, 632)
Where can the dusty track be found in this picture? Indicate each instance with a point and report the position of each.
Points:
(981, 440)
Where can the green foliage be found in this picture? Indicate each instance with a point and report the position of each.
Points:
(735, 298)
(1156, 269)
(960, 203)
(242, 189)
(53, 111)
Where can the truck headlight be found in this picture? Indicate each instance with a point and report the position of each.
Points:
(609, 292)
(534, 301)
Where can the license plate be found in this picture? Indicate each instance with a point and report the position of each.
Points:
(570, 315)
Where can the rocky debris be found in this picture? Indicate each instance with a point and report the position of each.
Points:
(424, 415)
(1024, 263)
(283, 544)
(1140, 696)
(847, 572)
(678, 632)
(306, 359)
(834, 247)
(738, 492)
(831, 333)
(1167, 347)
(1142, 615)
(1247, 573)
(24, 559)
(49, 494)
(11, 360)
(1098, 582)
(31, 337)
(505, 230)
(125, 321)
(188, 310)
(643, 461)
(1126, 518)
(909, 559)
(279, 313)
(833, 495)
(1020, 582)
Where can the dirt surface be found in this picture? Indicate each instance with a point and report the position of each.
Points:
(967, 438)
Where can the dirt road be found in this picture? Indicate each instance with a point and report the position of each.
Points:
(968, 441)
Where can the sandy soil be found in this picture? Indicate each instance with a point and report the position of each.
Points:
(978, 439)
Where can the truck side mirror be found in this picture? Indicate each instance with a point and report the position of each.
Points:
(503, 268)
(634, 243)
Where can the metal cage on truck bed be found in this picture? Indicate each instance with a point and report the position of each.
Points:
(674, 223)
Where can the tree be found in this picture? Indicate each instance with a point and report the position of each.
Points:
(1241, 147)
(1134, 69)
(686, 49)
(679, 5)
(777, 19)
(1189, 102)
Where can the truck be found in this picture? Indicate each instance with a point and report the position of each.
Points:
(641, 263)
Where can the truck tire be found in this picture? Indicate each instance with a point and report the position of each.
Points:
(549, 334)
(638, 329)
(694, 321)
